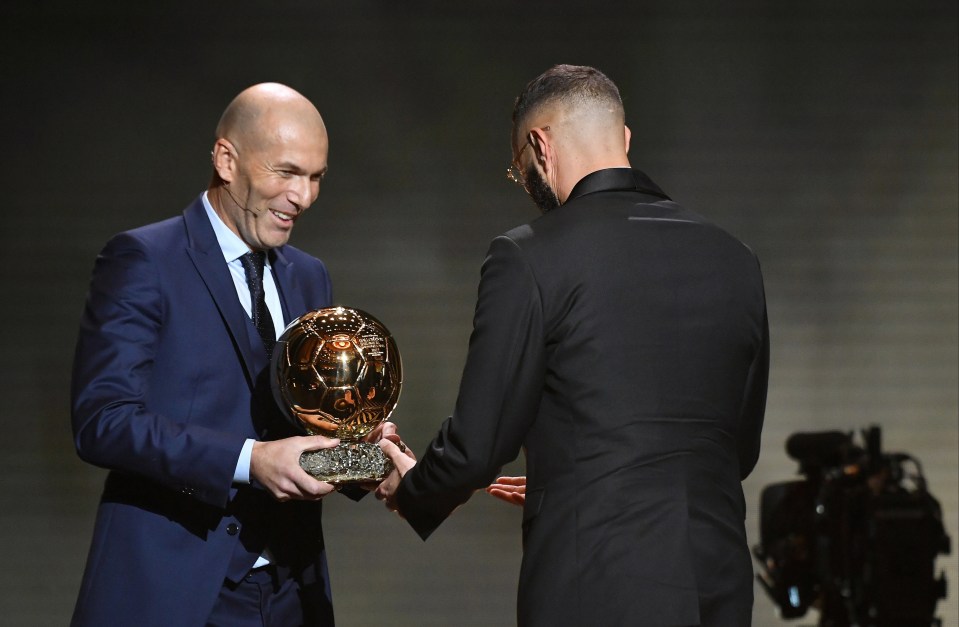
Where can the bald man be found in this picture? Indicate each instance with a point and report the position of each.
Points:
(621, 341)
(206, 517)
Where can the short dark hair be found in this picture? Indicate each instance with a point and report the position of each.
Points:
(567, 84)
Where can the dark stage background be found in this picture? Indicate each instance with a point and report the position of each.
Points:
(823, 134)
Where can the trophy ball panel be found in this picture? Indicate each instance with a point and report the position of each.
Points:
(316, 423)
(303, 388)
(303, 348)
(365, 421)
(341, 403)
(377, 389)
(339, 362)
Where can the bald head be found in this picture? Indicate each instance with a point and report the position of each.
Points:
(264, 113)
(269, 157)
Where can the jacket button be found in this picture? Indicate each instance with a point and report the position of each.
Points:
(233, 529)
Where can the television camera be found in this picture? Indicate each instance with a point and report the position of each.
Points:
(856, 539)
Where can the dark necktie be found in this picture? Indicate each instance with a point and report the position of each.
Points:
(253, 263)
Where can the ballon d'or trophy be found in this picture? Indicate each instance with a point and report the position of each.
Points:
(337, 372)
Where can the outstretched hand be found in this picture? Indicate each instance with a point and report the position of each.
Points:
(509, 489)
(276, 466)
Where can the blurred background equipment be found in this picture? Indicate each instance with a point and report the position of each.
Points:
(857, 539)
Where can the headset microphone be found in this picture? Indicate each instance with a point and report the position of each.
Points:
(226, 186)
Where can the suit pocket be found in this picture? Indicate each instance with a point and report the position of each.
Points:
(534, 502)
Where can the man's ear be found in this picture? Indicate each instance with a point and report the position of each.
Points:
(628, 136)
(224, 160)
(540, 143)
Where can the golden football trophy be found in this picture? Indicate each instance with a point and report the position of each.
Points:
(336, 372)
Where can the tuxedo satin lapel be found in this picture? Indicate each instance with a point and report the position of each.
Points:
(291, 296)
(207, 257)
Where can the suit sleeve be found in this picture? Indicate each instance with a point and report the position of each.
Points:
(498, 396)
(120, 330)
(754, 401)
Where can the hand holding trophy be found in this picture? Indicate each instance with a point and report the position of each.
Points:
(337, 372)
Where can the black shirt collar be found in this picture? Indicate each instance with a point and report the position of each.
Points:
(616, 179)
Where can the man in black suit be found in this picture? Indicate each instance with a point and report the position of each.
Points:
(622, 341)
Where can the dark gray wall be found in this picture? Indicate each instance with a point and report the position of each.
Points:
(823, 134)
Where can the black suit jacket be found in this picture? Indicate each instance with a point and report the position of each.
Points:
(622, 341)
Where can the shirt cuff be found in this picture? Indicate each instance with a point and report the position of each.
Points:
(242, 472)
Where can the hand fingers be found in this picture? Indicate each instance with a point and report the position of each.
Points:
(386, 491)
(515, 498)
(380, 431)
(400, 444)
(303, 485)
(502, 487)
(319, 489)
(396, 451)
(388, 485)
(514, 481)
(301, 488)
(317, 442)
(308, 487)
(387, 429)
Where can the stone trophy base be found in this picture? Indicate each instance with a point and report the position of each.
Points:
(358, 462)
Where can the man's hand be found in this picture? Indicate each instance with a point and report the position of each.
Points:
(384, 430)
(276, 466)
(509, 489)
(403, 459)
(381, 431)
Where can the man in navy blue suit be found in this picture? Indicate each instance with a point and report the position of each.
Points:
(206, 516)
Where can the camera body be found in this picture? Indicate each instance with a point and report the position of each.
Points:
(857, 538)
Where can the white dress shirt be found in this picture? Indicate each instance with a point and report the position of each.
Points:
(233, 248)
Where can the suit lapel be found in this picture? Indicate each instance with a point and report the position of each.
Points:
(207, 257)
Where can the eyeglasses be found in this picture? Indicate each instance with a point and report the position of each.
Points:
(514, 172)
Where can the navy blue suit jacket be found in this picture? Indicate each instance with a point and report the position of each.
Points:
(170, 378)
